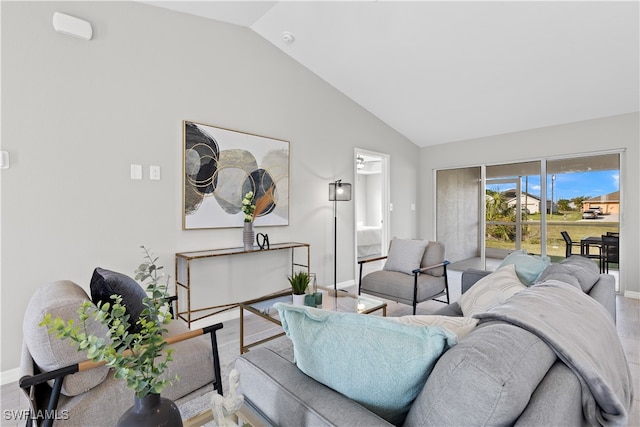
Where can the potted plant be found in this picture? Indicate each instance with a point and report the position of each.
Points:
(140, 358)
(299, 282)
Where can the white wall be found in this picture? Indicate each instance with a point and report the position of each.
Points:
(360, 198)
(76, 114)
(369, 199)
(374, 200)
(612, 133)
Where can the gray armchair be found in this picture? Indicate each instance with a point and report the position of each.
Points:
(64, 388)
(415, 271)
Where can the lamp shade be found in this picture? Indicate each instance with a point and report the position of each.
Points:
(339, 191)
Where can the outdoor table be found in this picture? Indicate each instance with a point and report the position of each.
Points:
(587, 242)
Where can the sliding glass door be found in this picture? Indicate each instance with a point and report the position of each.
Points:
(458, 214)
(585, 199)
(513, 209)
(486, 212)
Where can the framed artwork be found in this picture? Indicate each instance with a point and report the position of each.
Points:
(221, 166)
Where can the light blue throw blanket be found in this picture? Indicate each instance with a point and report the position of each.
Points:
(583, 335)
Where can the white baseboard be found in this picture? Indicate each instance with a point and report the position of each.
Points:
(218, 318)
(344, 285)
(632, 294)
(10, 376)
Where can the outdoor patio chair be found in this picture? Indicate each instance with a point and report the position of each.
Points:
(569, 245)
(610, 252)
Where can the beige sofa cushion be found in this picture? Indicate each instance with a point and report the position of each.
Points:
(491, 291)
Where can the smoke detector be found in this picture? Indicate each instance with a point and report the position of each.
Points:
(288, 38)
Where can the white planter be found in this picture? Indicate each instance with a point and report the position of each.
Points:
(298, 299)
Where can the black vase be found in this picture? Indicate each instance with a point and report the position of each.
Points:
(151, 411)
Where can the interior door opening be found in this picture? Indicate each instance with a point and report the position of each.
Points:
(371, 196)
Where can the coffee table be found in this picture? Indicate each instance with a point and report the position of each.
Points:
(343, 302)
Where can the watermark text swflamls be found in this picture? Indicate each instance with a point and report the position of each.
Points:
(25, 414)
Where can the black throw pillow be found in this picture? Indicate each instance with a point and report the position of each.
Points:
(105, 283)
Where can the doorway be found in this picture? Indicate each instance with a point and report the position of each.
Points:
(371, 196)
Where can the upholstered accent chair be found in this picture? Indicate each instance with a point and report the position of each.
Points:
(414, 271)
(57, 379)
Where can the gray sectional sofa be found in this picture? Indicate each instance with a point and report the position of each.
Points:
(499, 374)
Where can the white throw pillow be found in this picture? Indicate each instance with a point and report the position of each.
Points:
(460, 326)
(491, 291)
(405, 255)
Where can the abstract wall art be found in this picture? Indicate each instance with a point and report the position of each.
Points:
(221, 166)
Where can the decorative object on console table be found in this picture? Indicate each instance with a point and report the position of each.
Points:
(212, 199)
(140, 358)
(251, 212)
(247, 236)
(338, 192)
(299, 282)
(262, 240)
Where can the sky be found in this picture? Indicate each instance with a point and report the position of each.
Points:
(571, 185)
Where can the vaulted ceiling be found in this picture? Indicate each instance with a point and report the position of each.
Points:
(443, 71)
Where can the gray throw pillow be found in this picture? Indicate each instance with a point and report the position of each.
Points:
(405, 255)
(584, 270)
(561, 273)
(105, 283)
(487, 379)
(434, 254)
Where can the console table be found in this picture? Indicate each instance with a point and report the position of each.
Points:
(183, 275)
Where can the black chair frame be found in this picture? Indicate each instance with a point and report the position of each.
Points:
(42, 396)
(568, 244)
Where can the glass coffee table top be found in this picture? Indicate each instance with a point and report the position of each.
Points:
(344, 303)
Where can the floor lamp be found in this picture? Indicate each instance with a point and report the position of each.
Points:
(338, 192)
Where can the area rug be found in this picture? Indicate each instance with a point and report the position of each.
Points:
(198, 401)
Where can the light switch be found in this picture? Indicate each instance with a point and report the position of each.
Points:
(413, 207)
(154, 172)
(4, 160)
(391, 206)
(136, 171)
